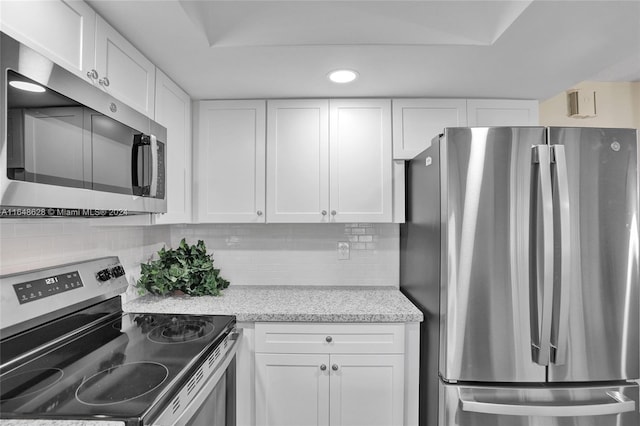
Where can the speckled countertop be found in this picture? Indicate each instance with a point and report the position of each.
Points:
(290, 303)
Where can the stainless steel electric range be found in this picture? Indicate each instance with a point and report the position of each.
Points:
(67, 351)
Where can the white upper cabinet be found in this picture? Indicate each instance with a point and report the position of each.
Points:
(361, 178)
(62, 30)
(502, 112)
(173, 111)
(72, 35)
(417, 121)
(298, 161)
(229, 161)
(123, 71)
(329, 161)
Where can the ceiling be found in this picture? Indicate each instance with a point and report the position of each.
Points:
(241, 49)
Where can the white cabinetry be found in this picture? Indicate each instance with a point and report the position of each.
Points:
(173, 111)
(298, 161)
(72, 35)
(337, 374)
(229, 161)
(329, 161)
(360, 160)
(122, 70)
(417, 121)
(62, 30)
(502, 112)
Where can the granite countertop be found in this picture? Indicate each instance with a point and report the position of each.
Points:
(290, 303)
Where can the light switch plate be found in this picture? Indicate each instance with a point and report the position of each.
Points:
(343, 250)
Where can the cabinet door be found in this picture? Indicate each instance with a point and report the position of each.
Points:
(229, 184)
(123, 71)
(173, 110)
(361, 182)
(62, 30)
(298, 161)
(292, 389)
(367, 390)
(502, 112)
(417, 121)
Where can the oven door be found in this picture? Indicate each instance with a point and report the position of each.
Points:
(214, 404)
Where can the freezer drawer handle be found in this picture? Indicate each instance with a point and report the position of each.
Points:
(621, 404)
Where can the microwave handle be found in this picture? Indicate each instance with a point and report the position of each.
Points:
(155, 167)
(139, 141)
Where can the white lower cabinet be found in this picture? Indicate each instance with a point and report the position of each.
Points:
(292, 389)
(366, 390)
(351, 375)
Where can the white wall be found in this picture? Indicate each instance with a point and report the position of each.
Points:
(27, 244)
(617, 105)
(272, 254)
(300, 254)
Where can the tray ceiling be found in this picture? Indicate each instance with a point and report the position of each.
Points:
(284, 49)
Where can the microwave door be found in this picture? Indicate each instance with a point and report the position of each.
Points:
(113, 146)
(45, 138)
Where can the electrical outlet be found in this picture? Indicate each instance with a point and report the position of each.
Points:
(343, 250)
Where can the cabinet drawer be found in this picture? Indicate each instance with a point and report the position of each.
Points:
(329, 338)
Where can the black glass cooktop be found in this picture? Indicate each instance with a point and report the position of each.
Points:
(117, 370)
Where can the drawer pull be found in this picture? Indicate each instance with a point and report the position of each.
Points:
(329, 339)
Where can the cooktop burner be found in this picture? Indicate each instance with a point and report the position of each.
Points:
(181, 330)
(117, 369)
(29, 383)
(121, 383)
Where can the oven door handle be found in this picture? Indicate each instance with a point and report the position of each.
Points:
(172, 416)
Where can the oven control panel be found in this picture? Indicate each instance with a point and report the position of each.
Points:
(47, 286)
(28, 298)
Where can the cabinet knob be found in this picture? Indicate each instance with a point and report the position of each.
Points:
(323, 367)
(334, 367)
(104, 82)
(93, 74)
(259, 212)
(324, 212)
(333, 212)
(329, 339)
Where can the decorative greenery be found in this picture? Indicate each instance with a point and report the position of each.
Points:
(187, 269)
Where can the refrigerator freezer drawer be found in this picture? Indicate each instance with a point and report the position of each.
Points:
(538, 406)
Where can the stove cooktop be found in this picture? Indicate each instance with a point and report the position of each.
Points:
(117, 370)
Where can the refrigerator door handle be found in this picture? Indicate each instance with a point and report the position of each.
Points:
(619, 404)
(542, 290)
(562, 286)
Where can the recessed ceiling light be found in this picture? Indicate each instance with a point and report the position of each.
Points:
(343, 76)
(29, 87)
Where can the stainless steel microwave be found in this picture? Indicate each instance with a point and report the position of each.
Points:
(68, 146)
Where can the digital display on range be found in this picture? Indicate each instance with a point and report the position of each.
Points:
(45, 287)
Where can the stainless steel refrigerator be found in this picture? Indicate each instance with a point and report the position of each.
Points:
(521, 248)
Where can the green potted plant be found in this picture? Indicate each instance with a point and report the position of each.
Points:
(187, 269)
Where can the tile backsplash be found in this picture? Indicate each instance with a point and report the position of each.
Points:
(271, 254)
(37, 243)
(300, 254)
